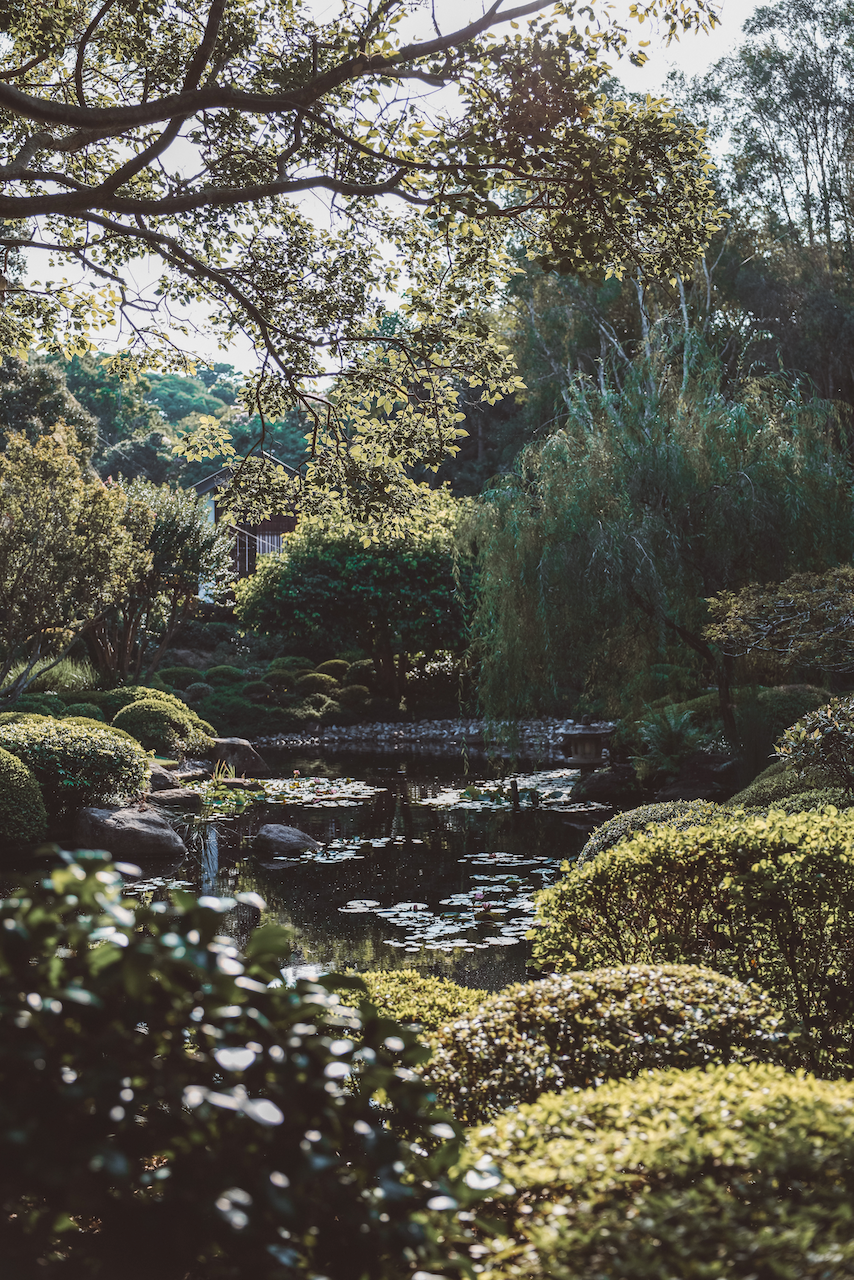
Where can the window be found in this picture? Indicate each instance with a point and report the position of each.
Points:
(269, 543)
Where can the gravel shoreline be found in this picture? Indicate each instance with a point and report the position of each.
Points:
(542, 738)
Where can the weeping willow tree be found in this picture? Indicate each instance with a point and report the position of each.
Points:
(650, 498)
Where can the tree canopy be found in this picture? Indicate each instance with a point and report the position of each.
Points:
(186, 136)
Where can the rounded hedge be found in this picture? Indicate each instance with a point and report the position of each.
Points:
(195, 692)
(335, 667)
(778, 783)
(361, 672)
(353, 696)
(316, 682)
(764, 897)
(23, 817)
(87, 709)
(258, 690)
(675, 813)
(76, 764)
(111, 701)
(575, 1030)
(291, 664)
(179, 677)
(89, 723)
(223, 675)
(420, 999)
(164, 728)
(280, 680)
(742, 1172)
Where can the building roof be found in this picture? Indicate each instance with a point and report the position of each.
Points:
(218, 479)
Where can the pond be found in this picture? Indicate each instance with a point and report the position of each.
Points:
(418, 868)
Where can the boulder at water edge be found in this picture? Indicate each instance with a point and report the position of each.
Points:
(240, 755)
(273, 838)
(132, 833)
(160, 779)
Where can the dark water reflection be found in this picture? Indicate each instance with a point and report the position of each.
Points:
(424, 857)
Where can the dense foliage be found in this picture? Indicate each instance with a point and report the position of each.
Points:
(573, 1031)
(740, 1171)
(157, 1091)
(823, 742)
(764, 897)
(23, 818)
(672, 813)
(164, 727)
(76, 764)
(412, 997)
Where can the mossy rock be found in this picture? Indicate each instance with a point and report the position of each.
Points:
(23, 816)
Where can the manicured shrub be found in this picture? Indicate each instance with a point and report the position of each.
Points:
(156, 1091)
(575, 1030)
(353, 696)
(224, 675)
(316, 682)
(87, 709)
(76, 764)
(23, 817)
(761, 897)
(13, 717)
(179, 677)
(819, 798)
(43, 704)
(823, 740)
(234, 715)
(420, 999)
(335, 667)
(257, 691)
(280, 680)
(291, 664)
(362, 672)
(776, 783)
(195, 692)
(673, 813)
(164, 728)
(738, 1172)
(99, 724)
(111, 701)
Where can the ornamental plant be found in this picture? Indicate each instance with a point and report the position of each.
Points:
(421, 999)
(76, 764)
(761, 897)
(23, 818)
(165, 728)
(737, 1171)
(823, 740)
(576, 1030)
(675, 813)
(165, 1111)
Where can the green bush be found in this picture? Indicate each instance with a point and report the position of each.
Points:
(89, 723)
(280, 680)
(419, 999)
(70, 677)
(291, 664)
(666, 738)
(13, 717)
(111, 701)
(776, 783)
(574, 1030)
(224, 675)
(353, 696)
(739, 1172)
(234, 715)
(87, 709)
(672, 813)
(819, 798)
(362, 672)
(197, 691)
(42, 704)
(188, 1119)
(76, 764)
(335, 667)
(768, 898)
(164, 728)
(179, 677)
(316, 682)
(257, 691)
(23, 817)
(823, 740)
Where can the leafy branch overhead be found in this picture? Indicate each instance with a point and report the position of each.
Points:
(187, 136)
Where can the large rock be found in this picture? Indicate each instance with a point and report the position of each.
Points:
(131, 833)
(160, 779)
(273, 838)
(240, 755)
(179, 798)
(189, 658)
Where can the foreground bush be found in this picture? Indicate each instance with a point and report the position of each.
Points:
(768, 898)
(737, 1172)
(414, 998)
(23, 818)
(576, 1030)
(675, 813)
(164, 728)
(76, 764)
(163, 1112)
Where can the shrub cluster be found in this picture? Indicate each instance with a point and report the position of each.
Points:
(762, 897)
(23, 818)
(188, 1119)
(675, 813)
(76, 764)
(420, 999)
(575, 1030)
(738, 1171)
(168, 728)
(823, 741)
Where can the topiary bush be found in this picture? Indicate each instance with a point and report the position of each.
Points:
(195, 692)
(164, 728)
(574, 1030)
(823, 740)
(280, 680)
(257, 691)
(362, 672)
(776, 783)
(335, 667)
(179, 677)
(99, 724)
(733, 1171)
(420, 999)
(76, 764)
(224, 675)
(291, 664)
(673, 813)
(43, 704)
(155, 1090)
(111, 701)
(316, 682)
(87, 709)
(761, 897)
(23, 817)
(353, 696)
